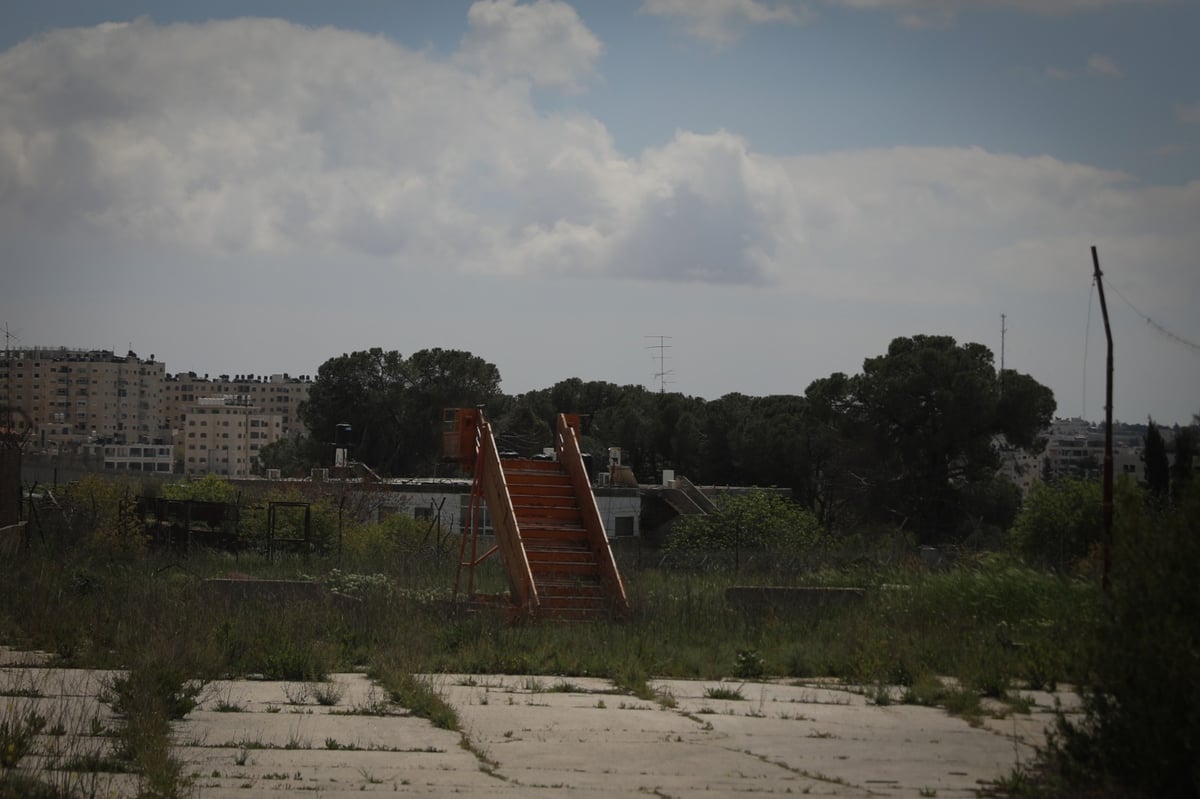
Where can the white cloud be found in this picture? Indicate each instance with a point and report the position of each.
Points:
(723, 22)
(544, 41)
(955, 223)
(258, 137)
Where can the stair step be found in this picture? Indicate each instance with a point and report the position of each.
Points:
(591, 590)
(554, 536)
(543, 501)
(538, 484)
(529, 465)
(565, 551)
(552, 475)
(541, 489)
(547, 528)
(571, 556)
(541, 569)
(533, 515)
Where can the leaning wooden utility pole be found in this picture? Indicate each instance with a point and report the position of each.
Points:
(1108, 428)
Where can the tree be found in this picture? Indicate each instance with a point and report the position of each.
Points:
(522, 429)
(1023, 410)
(292, 456)
(1158, 474)
(434, 380)
(1185, 443)
(361, 389)
(837, 456)
(924, 420)
(769, 443)
(394, 405)
(721, 419)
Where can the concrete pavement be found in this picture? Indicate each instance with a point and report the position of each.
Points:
(548, 736)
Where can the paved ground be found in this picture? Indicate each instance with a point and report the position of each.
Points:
(543, 736)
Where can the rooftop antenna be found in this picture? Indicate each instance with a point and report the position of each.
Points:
(8, 338)
(1003, 331)
(663, 373)
(6, 421)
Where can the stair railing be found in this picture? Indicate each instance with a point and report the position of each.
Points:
(695, 494)
(571, 458)
(489, 476)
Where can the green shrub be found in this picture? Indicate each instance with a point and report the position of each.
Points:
(758, 520)
(164, 688)
(749, 665)
(1061, 523)
(1141, 721)
(209, 488)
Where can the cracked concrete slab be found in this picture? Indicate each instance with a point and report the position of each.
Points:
(545, 736)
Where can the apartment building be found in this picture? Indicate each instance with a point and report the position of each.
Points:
(279, 394)
(223, 435)
(1075, 447)
(75, 396)
(154, 459)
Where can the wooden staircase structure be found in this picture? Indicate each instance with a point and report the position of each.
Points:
(548, 532)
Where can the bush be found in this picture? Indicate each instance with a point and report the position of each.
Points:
(1141, 722)
(1059, 524)
(209, 488)
(100, 513)
(395, 537)
(759, 520)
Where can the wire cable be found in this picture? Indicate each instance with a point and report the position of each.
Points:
(1087, 334)
(1193, 346)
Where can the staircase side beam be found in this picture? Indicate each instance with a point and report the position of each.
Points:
(570, 456)
(490, 477)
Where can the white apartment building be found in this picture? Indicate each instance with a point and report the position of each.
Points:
(223, 435)
(278, 393)
(1076, 447)
(75, 396)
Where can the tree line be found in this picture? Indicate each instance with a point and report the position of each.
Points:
(908, 442)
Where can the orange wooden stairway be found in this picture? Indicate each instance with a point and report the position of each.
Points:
(548, 532)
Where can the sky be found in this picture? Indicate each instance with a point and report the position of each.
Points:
(775, 188)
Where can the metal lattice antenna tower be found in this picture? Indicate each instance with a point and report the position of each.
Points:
(1003, 332)
(7, 420)
(663, 372)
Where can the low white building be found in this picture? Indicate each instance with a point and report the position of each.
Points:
(447, 500)
(223, 435)
(148, 458)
